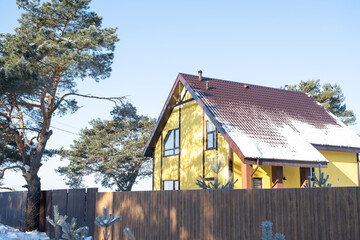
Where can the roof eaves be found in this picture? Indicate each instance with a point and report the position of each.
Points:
(286, 162)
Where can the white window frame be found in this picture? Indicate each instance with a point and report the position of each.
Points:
(170, 185)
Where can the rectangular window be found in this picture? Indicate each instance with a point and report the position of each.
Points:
(171, 185)
(210, 136)
(257, 183)
(172, 142)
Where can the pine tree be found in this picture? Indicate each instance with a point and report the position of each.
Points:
(330, 96)
(112, 149)
(57, 42)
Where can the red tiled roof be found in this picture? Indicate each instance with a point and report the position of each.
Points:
(268, 123)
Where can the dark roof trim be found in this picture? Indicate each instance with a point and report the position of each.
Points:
(289, 163)
(336, 148)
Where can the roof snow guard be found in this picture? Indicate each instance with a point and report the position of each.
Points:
(276, 126)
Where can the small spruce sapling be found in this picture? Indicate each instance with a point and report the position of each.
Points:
(57, 222)
(106, 220)
(69, 230)
(267, 232)
(71, 233)
(318, 182)
(216, 167)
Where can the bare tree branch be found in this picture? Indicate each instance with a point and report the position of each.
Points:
(115, 100)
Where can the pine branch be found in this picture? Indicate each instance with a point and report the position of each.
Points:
(11, 167)
(115, 100)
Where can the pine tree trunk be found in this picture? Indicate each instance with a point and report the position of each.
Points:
(32, 203)
(32, 211)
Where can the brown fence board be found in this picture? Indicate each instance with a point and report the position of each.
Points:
(59, 198)
(90, 209)
(75, 206)
(103, 199)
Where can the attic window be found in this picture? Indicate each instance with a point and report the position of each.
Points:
(171, 143)
(210, 136)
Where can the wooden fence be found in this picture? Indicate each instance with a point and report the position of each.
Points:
(12, 208)
(78, 203)
(326, 213)
(316, 214)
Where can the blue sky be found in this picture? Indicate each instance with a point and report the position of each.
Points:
(269, 43)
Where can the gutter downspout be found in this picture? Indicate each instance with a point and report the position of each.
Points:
(257, 166)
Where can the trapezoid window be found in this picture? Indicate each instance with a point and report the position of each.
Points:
(210, 136)
(171, 143)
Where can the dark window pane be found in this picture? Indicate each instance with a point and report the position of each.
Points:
(210, 140)
(214, 137)
(176, 138)
(257, 183)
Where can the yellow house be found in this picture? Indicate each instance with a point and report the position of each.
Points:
(267, 137)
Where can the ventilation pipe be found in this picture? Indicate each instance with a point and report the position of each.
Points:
(200, 75)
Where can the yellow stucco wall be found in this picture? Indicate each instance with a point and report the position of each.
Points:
(191, 145)
(292, 177)
(157, 165)
(342, 169)
(170, 163)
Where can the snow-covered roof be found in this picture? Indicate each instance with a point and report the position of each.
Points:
(267, 123)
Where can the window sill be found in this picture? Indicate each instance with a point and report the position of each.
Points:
(211, 148)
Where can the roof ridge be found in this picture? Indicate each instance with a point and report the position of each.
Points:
(250, 84)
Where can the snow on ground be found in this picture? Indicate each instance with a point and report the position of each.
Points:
(7, 232)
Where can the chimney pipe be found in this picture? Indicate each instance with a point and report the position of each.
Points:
(200, 75)
(207, 85)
